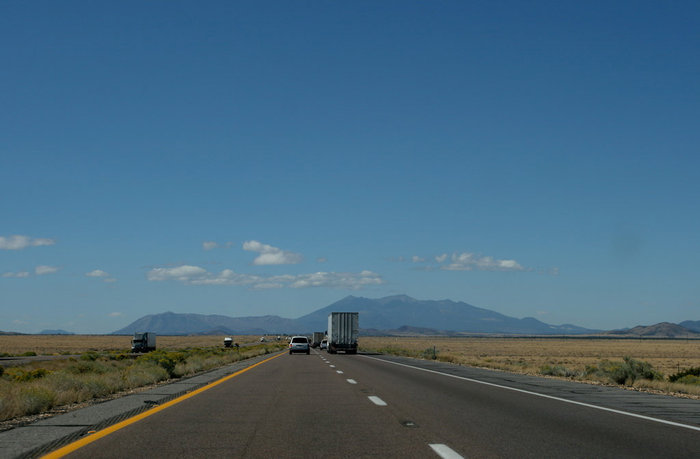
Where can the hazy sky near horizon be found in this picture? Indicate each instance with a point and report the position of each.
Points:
(250, 158)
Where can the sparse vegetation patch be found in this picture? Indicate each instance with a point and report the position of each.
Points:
(38, 387)
(600, 361)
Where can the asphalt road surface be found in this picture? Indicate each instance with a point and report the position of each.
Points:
(352, 406)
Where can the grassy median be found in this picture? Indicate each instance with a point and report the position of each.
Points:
(38, 387)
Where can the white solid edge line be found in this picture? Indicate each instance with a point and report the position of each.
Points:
(445, 452)
(376, 400)
(611, 410)
(351, 381)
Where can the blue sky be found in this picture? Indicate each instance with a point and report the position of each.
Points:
(253, 158)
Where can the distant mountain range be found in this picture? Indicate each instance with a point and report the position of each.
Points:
(170, 323)
(376, 316)
(692, 325)
(660, 330)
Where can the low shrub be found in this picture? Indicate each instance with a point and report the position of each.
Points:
(68, 385)
(36, 399)
(90, 356)
(448, 358)
(625, 372)
(22, 375)
(100, 385)
(430, 353)
(693, 373)
(557, 370)
(88, 366)
(689, 379)
(143, 374)
(166, 360)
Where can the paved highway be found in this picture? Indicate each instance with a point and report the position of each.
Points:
(360, 406)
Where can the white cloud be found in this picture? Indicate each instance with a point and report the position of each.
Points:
(115, 314)
(225, 277)
(321, 259)
(209, 245)
(267, 285)
(195, 275)
(270, 255)
(468, 261)
(97, 273)
(351, 281)
(43, 269)
(182, 273)
(109, 280)
(18, 242)
(17, 274)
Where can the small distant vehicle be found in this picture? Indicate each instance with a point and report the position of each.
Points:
(324, 344)
(143, 342)
(299, 344)
(228, 342)
(317, 338)
(262, 339)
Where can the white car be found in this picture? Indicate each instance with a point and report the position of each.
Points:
(299, 344)
(324, 344)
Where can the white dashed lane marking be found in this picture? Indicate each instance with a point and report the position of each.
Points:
(445, 451)
(550, 397)
(377, 401)
(352, 381)
(339, 372)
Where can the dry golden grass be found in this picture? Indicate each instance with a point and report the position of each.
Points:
(531, 355)
(77, 344)
(41, 385)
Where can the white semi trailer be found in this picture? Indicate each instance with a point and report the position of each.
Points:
(143, 342)
(343, 330)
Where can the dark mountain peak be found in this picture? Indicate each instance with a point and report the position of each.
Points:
(392, 312)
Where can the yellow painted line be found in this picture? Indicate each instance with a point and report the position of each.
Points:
(113, 428)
